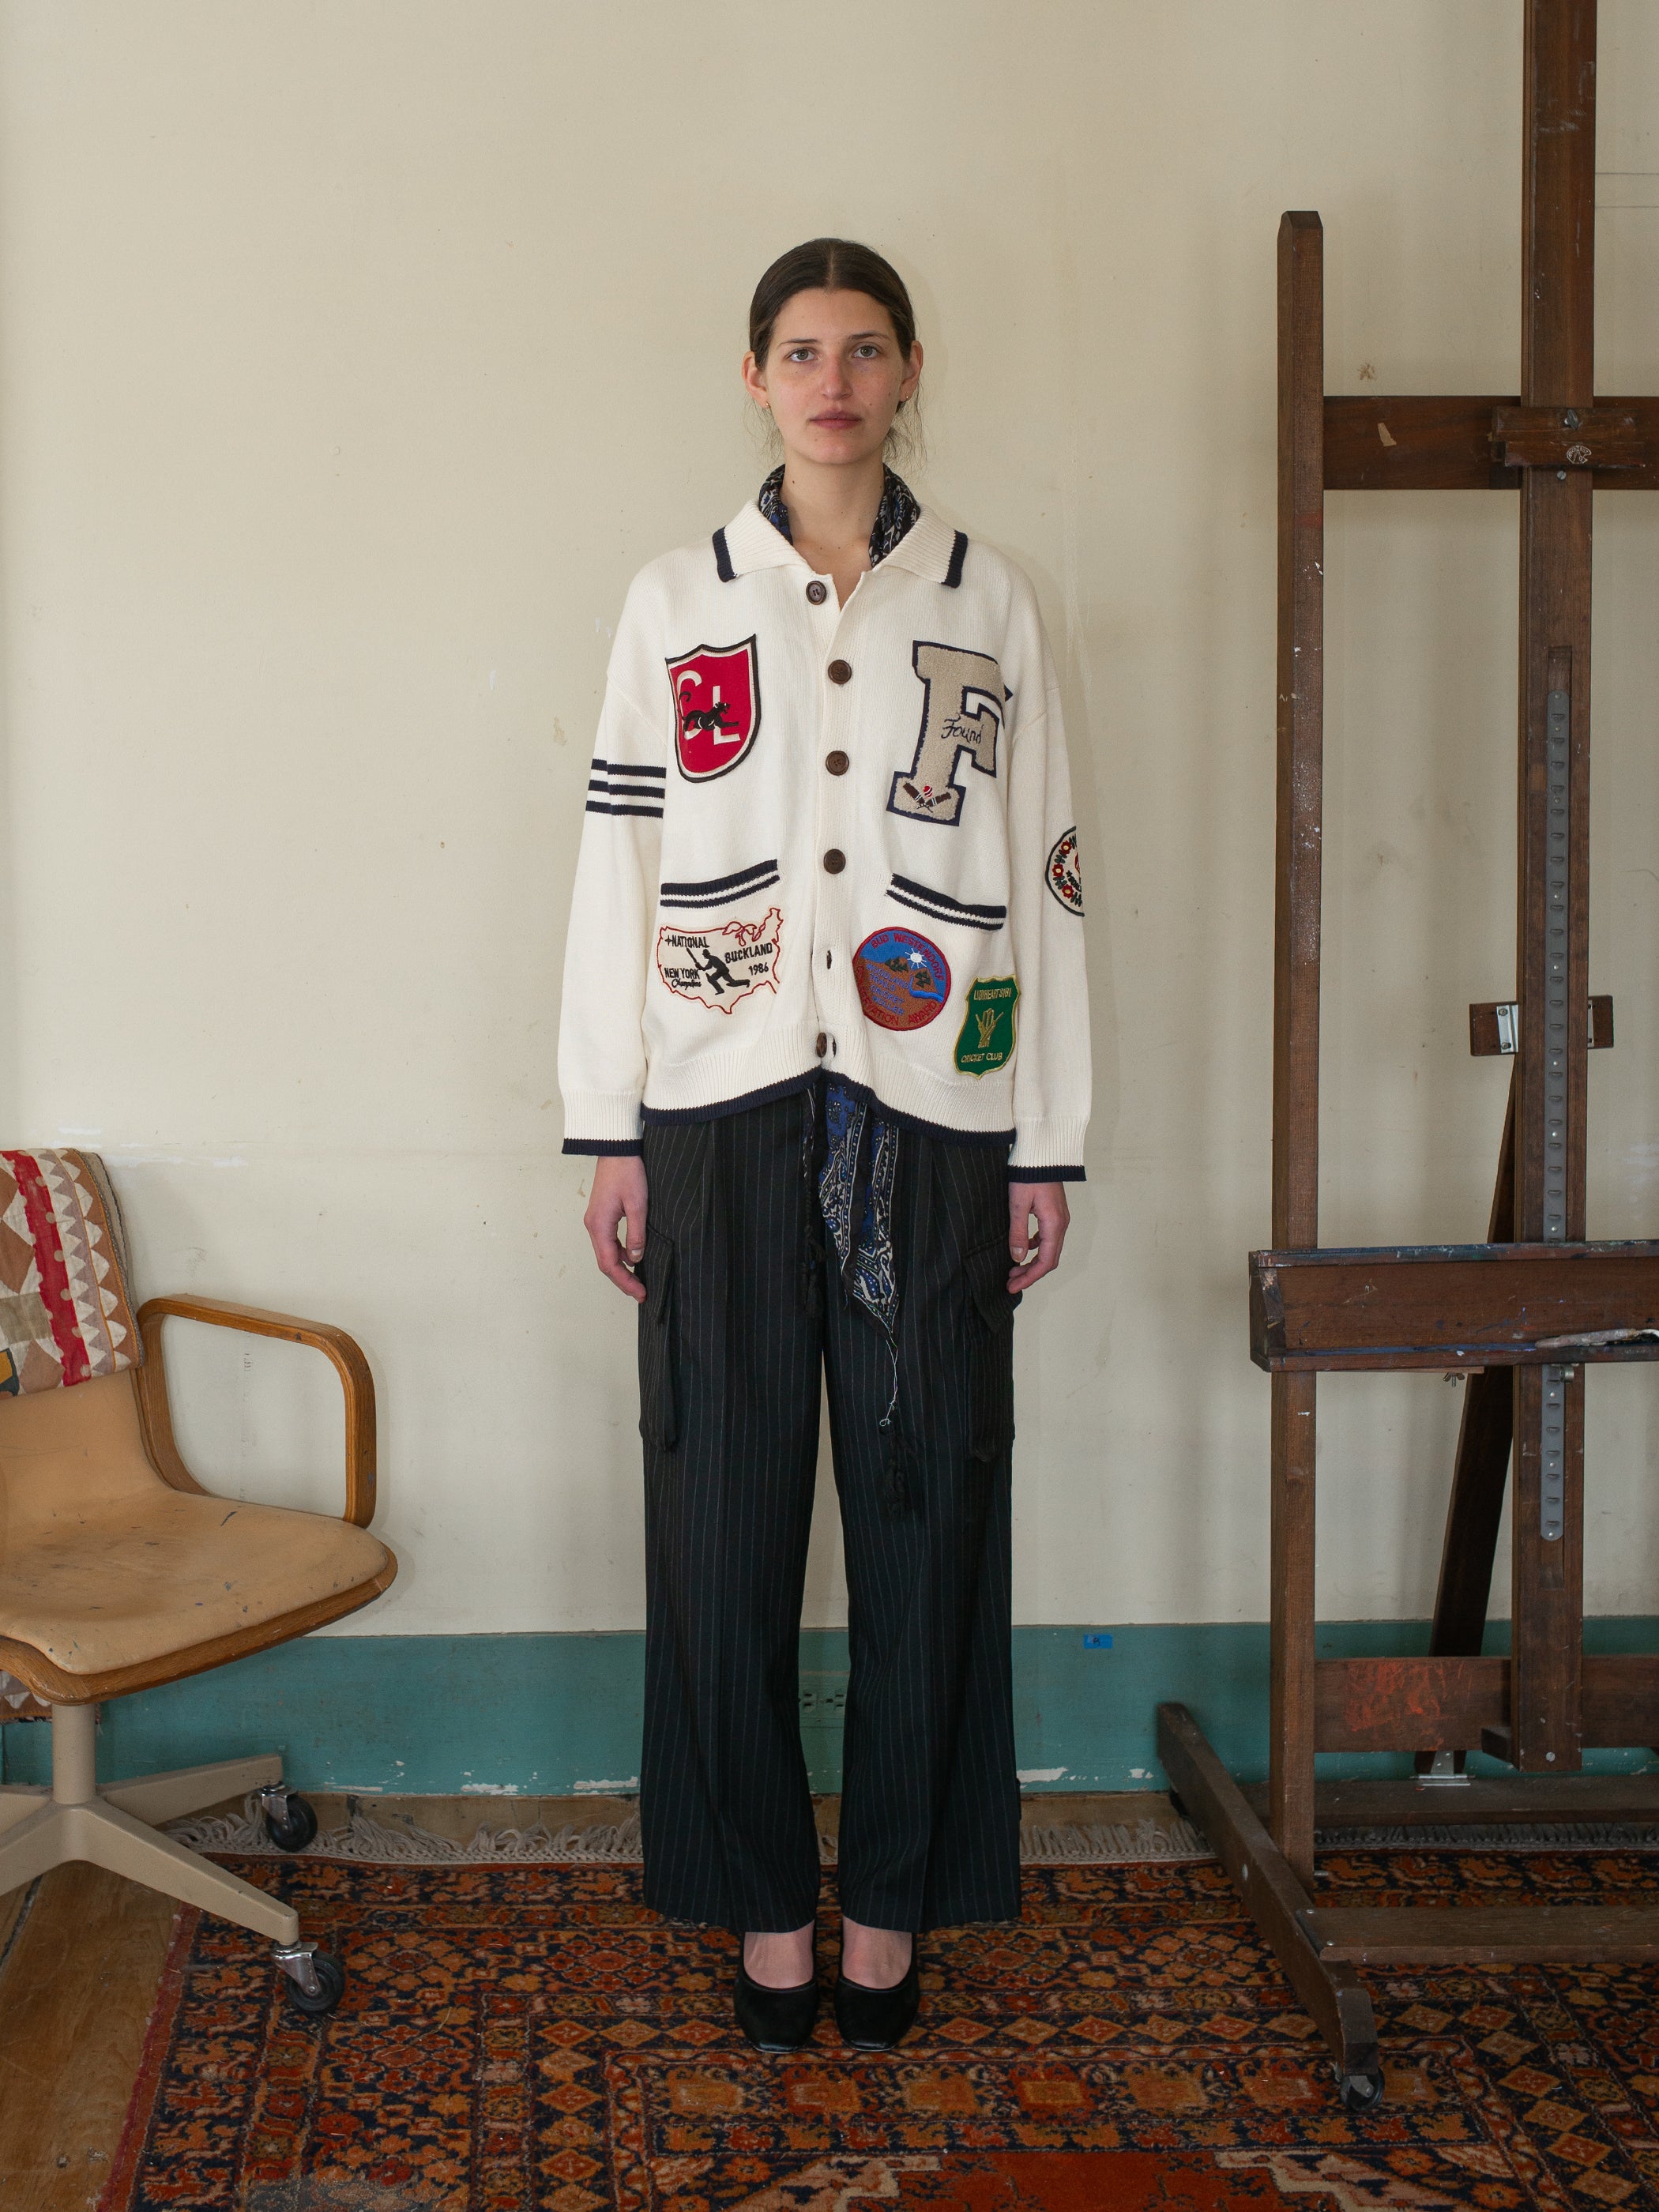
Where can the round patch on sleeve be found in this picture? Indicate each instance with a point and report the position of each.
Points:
(903, 980)
(1065, 876)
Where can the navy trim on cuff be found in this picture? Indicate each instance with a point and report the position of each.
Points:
(604, 1148)
(1047, 1175)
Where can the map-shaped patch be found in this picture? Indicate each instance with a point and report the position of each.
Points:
(718, 967)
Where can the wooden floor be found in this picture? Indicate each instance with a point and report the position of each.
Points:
(81, 1954)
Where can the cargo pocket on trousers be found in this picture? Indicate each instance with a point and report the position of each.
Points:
(659, 1414)
(991, 1353)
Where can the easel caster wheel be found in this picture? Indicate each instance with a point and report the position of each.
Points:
(328, 1975)
(295, 1825)
(1361, 2093)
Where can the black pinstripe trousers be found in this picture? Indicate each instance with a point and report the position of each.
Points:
(742, 1317)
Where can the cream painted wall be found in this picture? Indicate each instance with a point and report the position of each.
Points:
(353, 357)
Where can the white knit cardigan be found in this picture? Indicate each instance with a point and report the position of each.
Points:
(822, 836)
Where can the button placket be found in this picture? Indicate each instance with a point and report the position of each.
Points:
(834, 828)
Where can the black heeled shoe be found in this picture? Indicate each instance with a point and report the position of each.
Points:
(877, 2019)
(773, 2019)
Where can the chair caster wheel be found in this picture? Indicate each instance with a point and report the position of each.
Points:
(328, 1975)
(1361, 2093)
(290, 1822)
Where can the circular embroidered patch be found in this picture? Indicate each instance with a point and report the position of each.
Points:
(1064, 874)
(904, 981)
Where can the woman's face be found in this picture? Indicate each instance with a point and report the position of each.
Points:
(834, 376)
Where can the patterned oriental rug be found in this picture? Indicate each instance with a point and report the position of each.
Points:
(522, 2038)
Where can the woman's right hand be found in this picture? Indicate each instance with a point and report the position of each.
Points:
(618, 1201)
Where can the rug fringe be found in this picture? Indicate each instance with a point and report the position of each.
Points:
(1114, 1843)
(395, 1839)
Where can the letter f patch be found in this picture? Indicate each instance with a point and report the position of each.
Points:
(962, 703)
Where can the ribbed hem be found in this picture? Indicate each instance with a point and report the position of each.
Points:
(602, 1148)
(718, 1112)
(715, 1083)
(998, 1140)
(1045, 1175)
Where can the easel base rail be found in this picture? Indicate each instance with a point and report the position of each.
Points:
(1373, 1803)
(1484, 1935)
(1319, 1947)
(1277, 1901)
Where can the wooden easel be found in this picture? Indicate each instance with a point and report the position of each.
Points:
(1522, 1314)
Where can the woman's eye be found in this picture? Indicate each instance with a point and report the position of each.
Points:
(799, 353)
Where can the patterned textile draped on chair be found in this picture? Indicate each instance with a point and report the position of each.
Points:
(64, 1312)
(64, 1316)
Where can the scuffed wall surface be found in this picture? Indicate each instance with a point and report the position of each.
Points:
(353, 360)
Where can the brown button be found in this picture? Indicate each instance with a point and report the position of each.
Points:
(836, 762)
(822, 1046)
(818, 593)
(834, 861)
(839, 671)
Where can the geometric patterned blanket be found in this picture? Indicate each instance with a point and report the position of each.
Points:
(64, 1312)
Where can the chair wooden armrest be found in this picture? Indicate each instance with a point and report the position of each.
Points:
(150, 1383)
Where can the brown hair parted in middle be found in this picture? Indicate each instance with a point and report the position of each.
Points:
(829, 264)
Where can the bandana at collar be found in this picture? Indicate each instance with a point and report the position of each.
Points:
(895, 517)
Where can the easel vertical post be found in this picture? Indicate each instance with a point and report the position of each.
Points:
(1552, 922)
(1295, 1004)
(1480, 1470)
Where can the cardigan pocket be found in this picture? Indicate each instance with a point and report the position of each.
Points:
(659, 1419)
(991, 1354)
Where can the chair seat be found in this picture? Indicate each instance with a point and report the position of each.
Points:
(122, 1581)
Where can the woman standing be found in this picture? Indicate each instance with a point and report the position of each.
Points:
(826, 1028)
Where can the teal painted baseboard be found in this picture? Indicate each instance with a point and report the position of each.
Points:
(552, 1715)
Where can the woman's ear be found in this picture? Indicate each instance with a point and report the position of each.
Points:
(754, 382)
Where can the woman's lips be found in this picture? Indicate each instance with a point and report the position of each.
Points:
(835, 421)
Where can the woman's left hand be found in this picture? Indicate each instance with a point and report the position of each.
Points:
(1046, 1200)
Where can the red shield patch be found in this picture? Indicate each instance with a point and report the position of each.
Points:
(717, 707)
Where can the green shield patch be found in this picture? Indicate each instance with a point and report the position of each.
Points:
(987, 1027)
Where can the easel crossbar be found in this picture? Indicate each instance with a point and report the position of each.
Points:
(1397, 442)
(1455, 1307)
(1451, 1704)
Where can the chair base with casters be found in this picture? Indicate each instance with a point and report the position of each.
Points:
(113, 1828)
(118, 1571)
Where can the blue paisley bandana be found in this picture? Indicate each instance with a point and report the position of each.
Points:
(855, 1192)
(897, 515)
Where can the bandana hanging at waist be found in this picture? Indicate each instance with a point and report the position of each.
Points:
(855, 1192)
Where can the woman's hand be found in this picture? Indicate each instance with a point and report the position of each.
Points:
(1047, 1202)
(618, 1199)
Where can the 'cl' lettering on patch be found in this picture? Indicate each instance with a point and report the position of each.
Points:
(717, 707)
(718, 967)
